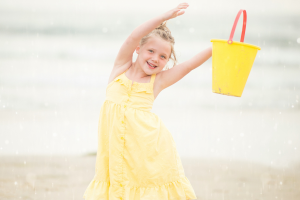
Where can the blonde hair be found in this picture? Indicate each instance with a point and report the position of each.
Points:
(164, 32)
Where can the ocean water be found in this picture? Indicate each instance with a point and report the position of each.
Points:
(55, 59)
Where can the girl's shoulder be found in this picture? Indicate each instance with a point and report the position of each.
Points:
(118, 70)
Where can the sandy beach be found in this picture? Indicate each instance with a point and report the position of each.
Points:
(66, 177)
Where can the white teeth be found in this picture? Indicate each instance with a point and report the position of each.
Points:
(151, 65)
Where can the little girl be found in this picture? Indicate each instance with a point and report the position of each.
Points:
(137, 157)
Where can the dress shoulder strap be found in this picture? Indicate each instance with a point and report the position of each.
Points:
(152, 78)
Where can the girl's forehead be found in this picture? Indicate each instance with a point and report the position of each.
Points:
(159, 44)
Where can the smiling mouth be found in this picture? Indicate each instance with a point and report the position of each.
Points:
(151, 65)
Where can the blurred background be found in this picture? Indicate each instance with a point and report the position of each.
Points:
(55, 60)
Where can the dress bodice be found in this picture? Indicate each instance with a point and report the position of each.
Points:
(136, 95)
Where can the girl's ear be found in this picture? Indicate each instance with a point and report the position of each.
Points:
(137, 49)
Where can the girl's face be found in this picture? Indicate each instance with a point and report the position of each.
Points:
(154, 55)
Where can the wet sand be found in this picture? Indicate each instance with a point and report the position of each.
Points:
(66, 177)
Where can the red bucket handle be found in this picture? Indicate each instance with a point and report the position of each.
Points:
(234, 26)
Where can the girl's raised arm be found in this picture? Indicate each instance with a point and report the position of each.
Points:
(171, 76)
(128, 47)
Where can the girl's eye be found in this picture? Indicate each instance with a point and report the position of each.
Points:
(150, 50)
(163, 56)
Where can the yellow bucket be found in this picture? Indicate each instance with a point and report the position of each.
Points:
(232, 62)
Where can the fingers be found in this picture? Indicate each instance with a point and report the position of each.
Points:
(183, 6)
(180, 12)
(177, 11)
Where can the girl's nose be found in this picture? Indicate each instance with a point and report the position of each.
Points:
(155, 59)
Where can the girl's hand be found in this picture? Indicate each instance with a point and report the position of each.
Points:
(175, 11)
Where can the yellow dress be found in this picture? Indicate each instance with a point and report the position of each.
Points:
(136, 156)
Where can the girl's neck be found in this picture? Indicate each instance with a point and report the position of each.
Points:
(136, 72)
